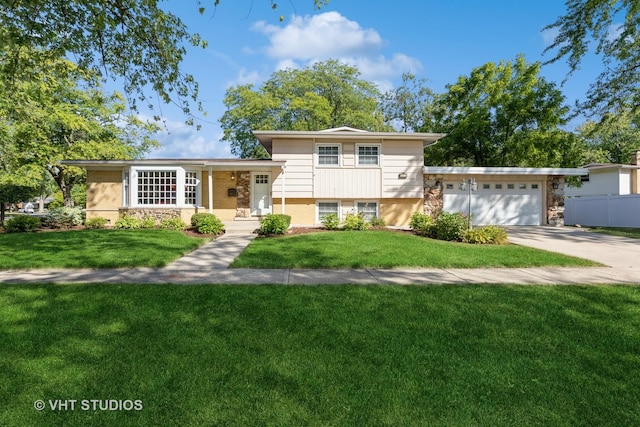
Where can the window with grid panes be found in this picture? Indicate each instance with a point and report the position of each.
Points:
(328, 155)
(368, 155)
(327, 208)
(190, 188)
(157, 187)
(369, 210)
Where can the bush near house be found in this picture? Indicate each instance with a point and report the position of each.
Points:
(173, 224)
(207, 223)
(355, 222)
(128, 222)
(64, 217)
(421, 224)
(455, 227)
(22, 224)
(96, 223)
(331, 221)
(274, 224)
(489, 234)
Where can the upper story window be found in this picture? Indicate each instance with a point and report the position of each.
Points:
(328, 155)
(368, 155)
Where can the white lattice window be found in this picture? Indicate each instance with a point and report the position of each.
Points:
(157, 187)
(191, 188)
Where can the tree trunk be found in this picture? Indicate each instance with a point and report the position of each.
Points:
(2, 208)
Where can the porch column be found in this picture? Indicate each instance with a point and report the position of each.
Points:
(282, 190)
(210, 187)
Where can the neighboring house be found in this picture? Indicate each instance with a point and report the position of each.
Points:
(313, 174)
(608, 196)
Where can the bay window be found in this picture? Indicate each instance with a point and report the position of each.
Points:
(161, 186)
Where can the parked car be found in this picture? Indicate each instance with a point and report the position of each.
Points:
(27, 208)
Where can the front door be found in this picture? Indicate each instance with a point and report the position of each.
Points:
(260, 193)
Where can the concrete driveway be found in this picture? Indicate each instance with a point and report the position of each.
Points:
(612, 251)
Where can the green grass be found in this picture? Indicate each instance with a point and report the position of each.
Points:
(633, 233)
(94, 248)
(385, 249)
(330, 355)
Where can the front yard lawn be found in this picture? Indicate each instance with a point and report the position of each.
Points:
(388, 249)
(94, 248)
(327, 355)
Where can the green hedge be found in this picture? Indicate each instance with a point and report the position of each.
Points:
(21, 224)
(274, 224)
(207, 223)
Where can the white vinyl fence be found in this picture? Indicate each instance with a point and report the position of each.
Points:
(605, 211)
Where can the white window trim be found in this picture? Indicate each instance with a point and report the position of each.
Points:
(198, 186)
(355, 206)
(318, 220)
(327, 144)
(357, 154)
(180, 184)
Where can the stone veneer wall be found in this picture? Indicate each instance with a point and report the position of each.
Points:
(156, 213)
(555, 200)
(433, 195)
(243, 188)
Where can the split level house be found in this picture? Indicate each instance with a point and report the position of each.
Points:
(313, 174)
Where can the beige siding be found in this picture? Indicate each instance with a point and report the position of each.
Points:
(104, 194)
(402, 158)
(351, 183)
(299, 171)
(398, 212)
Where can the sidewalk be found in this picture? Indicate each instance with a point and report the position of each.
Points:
(209, 265)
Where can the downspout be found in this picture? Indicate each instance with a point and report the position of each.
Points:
(284, 167)
(210, 188)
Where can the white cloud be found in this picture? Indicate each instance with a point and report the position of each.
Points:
(319, 36)
(181, 141)
(309, 39)
(245, 77)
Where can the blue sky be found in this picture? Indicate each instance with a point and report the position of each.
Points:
(435, 40)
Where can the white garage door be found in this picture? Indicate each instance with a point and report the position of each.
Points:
(497, 203)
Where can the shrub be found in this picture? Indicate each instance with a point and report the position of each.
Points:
(377, 222)
(96, 223)
(355, 222)
(173, 224)
(274, 224)
(149, 222)
(450, 226)
(207, 223)
(21, 224)
(421, 224)
(331, 221)
(64, 217)
(128, 222)
(489, 234)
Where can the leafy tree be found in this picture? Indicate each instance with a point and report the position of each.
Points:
(326, 95)
(613, 139)
(135, 40)
(61, 113)
(502, 115)
(615, 27)
(408, 107)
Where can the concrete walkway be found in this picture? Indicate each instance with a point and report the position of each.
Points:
(208, 265)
